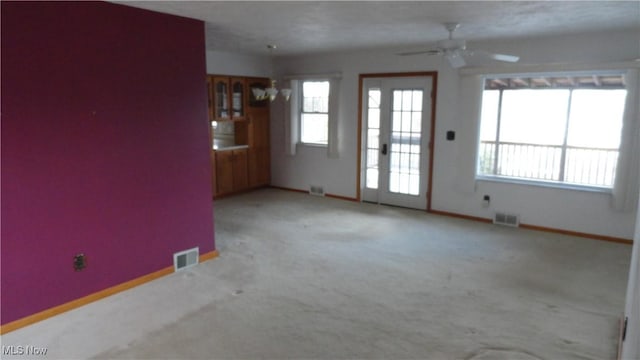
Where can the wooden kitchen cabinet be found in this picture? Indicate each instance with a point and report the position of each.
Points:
(232, 102)
(259, 151)
(211, 110)
(231, 171)
(214, 177)
(258, 113)
(224, 172)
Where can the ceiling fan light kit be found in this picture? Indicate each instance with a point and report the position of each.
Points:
(456, 52)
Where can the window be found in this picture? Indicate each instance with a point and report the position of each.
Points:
(314, 112)
(560, 129)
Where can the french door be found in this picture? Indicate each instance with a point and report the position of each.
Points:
(396, 131)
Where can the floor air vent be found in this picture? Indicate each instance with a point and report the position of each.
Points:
(501, 218)
(185, 259)
(316, 190)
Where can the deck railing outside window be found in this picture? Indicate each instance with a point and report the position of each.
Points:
(571, 164)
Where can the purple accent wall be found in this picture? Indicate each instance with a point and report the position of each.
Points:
(104, 148)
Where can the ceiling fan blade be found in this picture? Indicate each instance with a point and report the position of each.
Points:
(499, 57)
(503, 57)
(428, 52)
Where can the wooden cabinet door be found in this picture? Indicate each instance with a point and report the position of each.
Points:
(224, 172)
(214, 175)
(260, 166)
(254, 179)
(264, 166)
(210, 97)
(240, 170)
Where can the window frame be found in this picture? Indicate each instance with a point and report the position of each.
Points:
(562, 184)
(301, 112)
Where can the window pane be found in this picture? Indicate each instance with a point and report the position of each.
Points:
(314, 128)
(591, 167)
(315, 96)
(534, 116)
(596, 118)
(314, 116)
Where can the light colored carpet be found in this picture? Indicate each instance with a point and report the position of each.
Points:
(317, 278)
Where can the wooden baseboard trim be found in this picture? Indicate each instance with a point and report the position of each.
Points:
(577, 233)
(306, 192)
(208, 256)
(340, 197)
(288, 189)
(460, 216)
(541, 228)
(243, 191)
(73, 304)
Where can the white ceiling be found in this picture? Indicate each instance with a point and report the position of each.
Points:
(298, 27)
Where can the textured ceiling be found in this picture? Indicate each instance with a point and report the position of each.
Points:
(306, 26)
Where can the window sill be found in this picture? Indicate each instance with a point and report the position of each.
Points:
(545, 184)
(312, 145)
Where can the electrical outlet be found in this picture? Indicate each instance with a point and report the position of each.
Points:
(79, 262)
(486, 201)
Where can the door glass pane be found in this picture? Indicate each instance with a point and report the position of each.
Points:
(374, 118)
(372, 178)
(373, 138)
(404, 168)
(372, 159)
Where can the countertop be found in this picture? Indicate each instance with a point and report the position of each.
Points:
(224, 144)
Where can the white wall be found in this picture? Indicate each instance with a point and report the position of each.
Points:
(631, 345)
(563, 209)
(224, 63)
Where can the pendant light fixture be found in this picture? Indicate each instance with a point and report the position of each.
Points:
(271, 92)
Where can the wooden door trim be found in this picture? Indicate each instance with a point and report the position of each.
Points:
(434, 91)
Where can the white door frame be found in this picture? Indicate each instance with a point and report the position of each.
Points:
(429, 76)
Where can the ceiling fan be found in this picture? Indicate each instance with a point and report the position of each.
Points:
(455, 50)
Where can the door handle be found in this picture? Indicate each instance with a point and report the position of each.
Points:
(384, 149)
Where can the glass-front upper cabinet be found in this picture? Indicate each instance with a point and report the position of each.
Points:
(221, 98)
(237, 98)
(228, 98)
